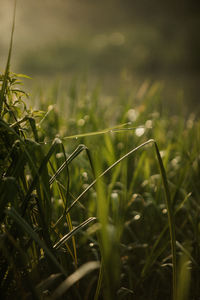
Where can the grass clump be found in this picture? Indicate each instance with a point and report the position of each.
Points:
(84, 204)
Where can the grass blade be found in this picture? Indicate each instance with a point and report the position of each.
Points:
(65, 238)
(170, 220)
(46, 283)
(75, 277)
(4, 84)
(156, 252)
(11, 212)
(76, 152)
(168, 202)
(106, 171)
(38, 172)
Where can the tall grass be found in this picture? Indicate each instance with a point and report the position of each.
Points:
(84, 204)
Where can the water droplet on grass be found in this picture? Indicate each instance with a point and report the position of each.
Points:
(164, 211)
(139, 131)
(137, 217)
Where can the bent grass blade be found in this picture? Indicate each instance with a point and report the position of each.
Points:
(75, 277)
(171, 220)
(76, 152)
(69, 235)
(67, 161)
(38, 172)
(168, 202)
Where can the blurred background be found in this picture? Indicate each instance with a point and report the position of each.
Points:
(107, 41)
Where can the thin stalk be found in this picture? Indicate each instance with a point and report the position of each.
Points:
(168, 203)
(106, 171)
(170, 220)
(5, 82)
(100, 278)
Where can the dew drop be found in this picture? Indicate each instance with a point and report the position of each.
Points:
(164, 211)
(137, 217)
(139, 131)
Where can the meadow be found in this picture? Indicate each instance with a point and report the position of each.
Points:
(99, 196)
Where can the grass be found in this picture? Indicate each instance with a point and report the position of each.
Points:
(98, 200)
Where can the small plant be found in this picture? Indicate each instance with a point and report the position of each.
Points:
(31, 251)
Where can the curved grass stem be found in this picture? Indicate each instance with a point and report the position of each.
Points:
(171, 220)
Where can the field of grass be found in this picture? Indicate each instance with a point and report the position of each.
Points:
(107, 40)
(99, 196)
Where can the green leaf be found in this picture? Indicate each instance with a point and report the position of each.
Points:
(171, 220)
(11, 212)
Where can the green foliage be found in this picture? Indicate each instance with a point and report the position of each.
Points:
(31, 222)
(47, 199)
(84, 204)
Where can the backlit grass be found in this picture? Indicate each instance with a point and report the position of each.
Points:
(98, 199)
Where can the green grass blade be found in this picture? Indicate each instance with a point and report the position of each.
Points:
(4, 84)
(156, 252)
(33, 126)
(11, 212)
(38, 172)
(27, 149)
(116, 129)
(107, 130)
(100, 278)
(46, 283)
(168, 202)
(75, 277)
(65, 238)
(170, 220)
(106, 171)
(187, 254)
(184, 278)
(76, 152)
(19, 263)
